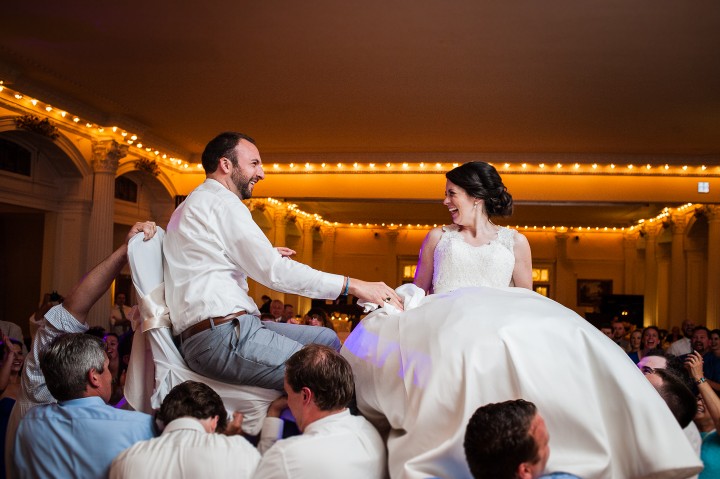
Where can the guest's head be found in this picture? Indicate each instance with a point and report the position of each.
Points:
(675, 332)
(276, 308)
(197, 400)
(658, 359)
(481, 182)
(688, 326)
(507, 440)
(650, 338)
(318, 382)
(111, 345)
(607, 330)
(16, 347)
(288, 312)
(618, 329)
(635, 340)
(703, 420)
(715, 341)
(76, 366)
(120, 299)
(675, 393)
(701, 339)
(318, 317)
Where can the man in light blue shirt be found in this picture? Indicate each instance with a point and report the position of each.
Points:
(80, 435)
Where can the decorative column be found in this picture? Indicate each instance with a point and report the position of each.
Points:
(306, 257)
(280, 218)
(106, 156)
(328, 247)
(712, 318)
(391, 274)
(650, 305)
(630, 260)
(678, 285)
(565, 282)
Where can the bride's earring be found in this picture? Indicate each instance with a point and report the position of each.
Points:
(475, 205)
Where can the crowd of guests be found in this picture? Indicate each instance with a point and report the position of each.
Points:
(684, 366)
(275, 310)
(192, 435)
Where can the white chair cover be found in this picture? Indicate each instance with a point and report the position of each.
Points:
(156, 365)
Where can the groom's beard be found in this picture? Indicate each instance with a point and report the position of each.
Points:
(242, 183)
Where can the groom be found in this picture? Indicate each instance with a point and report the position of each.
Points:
(212, 246)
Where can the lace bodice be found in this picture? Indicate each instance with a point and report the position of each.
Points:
(458, 264)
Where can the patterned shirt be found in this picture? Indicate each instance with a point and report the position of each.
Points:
(34, 391)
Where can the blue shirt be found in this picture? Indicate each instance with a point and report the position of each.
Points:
(710, 455)
(711, 366)
(77, 438)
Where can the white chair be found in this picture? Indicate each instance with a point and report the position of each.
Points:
(156, 365)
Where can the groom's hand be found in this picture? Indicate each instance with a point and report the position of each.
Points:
(378, 293)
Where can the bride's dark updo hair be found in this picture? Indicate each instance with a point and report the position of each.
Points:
(482, 181)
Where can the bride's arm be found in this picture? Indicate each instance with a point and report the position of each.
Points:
(522, 274)
(424, 270)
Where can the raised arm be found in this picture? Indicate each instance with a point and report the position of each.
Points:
(70, 318)
(98, 280)
(694, 364)
(424, 270)
(522, 274)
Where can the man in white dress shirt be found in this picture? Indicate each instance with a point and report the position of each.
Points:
(319, 386)
(211, 247)
(192, 444)
(683, 346)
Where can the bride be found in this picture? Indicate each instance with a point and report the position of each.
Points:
(473, 251)
(481, 337)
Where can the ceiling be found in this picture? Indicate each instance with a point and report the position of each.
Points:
(329, 77)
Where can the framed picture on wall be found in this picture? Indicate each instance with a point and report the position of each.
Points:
(591, 291)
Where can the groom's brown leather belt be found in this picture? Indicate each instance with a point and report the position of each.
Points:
(205, 324)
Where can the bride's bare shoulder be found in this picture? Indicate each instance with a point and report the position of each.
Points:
(434, 234)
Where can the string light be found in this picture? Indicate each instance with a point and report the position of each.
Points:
(610, 169)
(291, 207)
(46, 110)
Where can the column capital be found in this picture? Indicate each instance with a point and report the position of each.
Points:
(306, 224)
(280, 214)
(631, 236)
(327, 232)
(255, 205)
(712, 212)
(679, 223)
(106, 155)
(651, 230)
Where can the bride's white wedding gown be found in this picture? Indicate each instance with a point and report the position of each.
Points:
(421, 374)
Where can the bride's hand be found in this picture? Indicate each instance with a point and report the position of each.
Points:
(378, 293)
